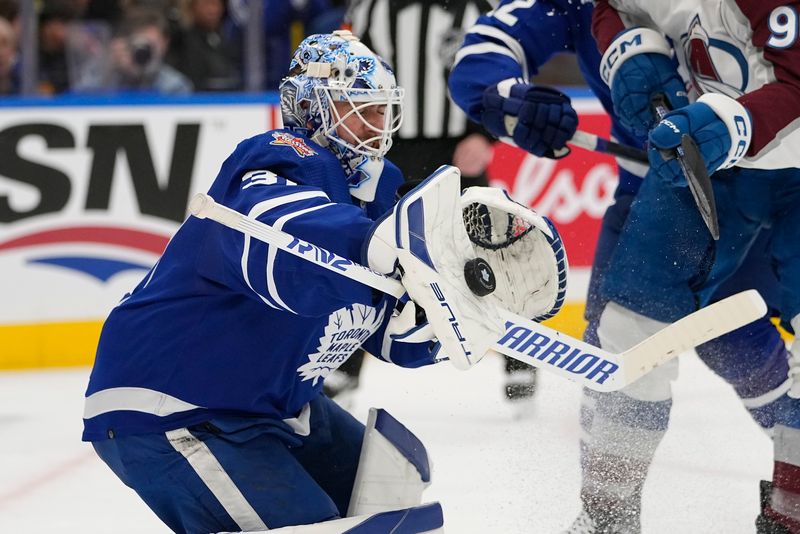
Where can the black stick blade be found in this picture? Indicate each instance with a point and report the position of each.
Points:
(699, 182)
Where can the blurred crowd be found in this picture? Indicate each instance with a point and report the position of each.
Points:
(157, 46)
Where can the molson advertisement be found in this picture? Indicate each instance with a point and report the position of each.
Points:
(573, 192)
(92, 190)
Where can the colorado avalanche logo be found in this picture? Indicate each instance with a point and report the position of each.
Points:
(298, 144)
(100, 267)
(347, 329)
(715, 65)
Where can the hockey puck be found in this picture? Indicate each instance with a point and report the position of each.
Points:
(479, 277)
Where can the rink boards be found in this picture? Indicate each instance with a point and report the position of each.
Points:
(91, 189)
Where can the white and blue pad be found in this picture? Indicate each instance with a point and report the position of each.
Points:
(393, 469)
(439, 233)
(426, 519)
(432, 247)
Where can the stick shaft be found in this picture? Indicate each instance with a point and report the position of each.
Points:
(600, 370)
(525, 340)
(591, 142)
(599, 144)
(203, 206)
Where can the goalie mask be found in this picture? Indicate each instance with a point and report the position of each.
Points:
(337, 88)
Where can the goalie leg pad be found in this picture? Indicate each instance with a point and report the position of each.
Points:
(393, 469)
(427, 518)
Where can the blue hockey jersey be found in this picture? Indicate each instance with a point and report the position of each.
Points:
(226, 325)
(514, 40)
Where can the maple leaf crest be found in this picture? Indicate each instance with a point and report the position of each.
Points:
(346, 330)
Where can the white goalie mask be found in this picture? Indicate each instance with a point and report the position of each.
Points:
(345, 97)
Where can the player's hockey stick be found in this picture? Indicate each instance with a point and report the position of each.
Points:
(523, 339)
(594, 143)
(694, 168)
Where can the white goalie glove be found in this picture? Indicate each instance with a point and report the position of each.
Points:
(522, 248)
(464, 257)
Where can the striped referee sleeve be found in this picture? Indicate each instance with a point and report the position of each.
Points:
(419, 39)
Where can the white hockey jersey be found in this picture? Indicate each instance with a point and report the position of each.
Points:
(744, 49)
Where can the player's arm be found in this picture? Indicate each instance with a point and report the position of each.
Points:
(638, 65)
(727, 129)
(776, 104)
(490, 76)
(279, 279)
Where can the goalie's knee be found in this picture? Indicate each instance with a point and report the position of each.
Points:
(393, 469)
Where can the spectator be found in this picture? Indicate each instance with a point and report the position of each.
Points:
(105, 10)
(206, 55)
(137, 59)
(9, 78)
(9, 10)
(281, 19)
(54, 19)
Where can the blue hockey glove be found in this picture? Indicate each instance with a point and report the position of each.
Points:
(538, 119)
(409, 340)
(638, 66)
(720, 127)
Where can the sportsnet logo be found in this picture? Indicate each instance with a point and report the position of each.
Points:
(298, 144)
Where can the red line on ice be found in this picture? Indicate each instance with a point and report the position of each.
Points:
(34, 484)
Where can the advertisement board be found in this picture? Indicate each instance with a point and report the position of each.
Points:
(573, 192)
(90, 194)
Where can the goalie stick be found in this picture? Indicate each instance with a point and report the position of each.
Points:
(525, 340)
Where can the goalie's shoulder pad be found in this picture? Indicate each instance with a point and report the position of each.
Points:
(629, 43)
(292, 156)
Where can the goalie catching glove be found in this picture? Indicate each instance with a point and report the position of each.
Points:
(466, 257)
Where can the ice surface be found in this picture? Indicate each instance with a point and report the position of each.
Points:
(491, 472)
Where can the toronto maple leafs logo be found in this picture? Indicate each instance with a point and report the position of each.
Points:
(347, 330)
